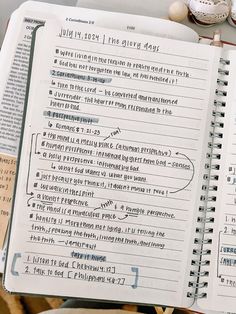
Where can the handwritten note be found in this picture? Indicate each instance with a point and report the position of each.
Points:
(112, 145)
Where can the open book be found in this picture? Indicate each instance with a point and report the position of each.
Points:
(126, 178)
(14, 64)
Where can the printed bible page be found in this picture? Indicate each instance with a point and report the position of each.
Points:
(111, 164)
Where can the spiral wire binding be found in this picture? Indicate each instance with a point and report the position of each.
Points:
(207, 209)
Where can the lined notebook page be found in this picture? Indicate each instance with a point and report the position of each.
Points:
(221, 294)
(109, 179)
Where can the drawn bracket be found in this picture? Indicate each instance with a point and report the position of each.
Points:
(218, 255)
(36, 151)
(13, 265)
(136, 271)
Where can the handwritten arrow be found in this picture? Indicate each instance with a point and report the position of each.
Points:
(97, 208)
(191, 177)
(123, 217)
(28, 204)
(106, 138)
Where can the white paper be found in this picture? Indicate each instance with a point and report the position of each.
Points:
(114, 143)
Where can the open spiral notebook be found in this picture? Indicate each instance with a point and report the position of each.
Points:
(126, 174)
